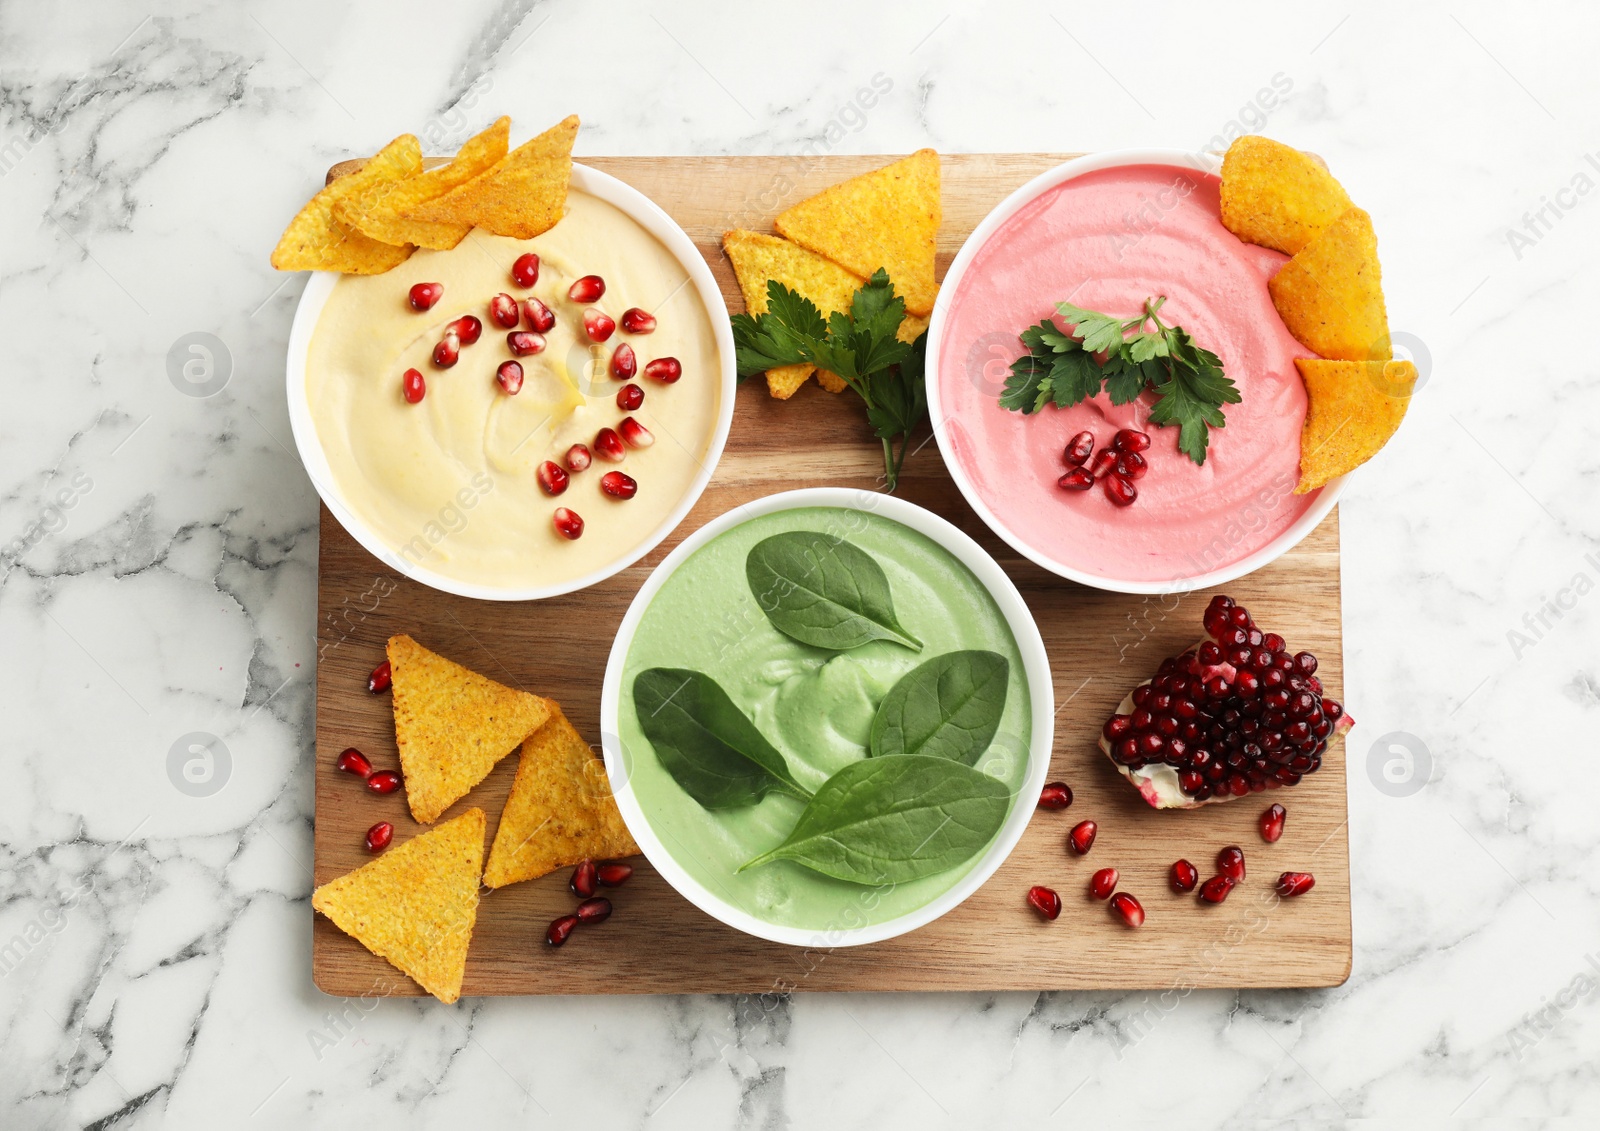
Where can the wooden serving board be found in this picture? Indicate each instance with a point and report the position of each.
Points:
(1100, 645)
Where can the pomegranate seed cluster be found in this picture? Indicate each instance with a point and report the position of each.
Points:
(1237, 715)
(1116, 466)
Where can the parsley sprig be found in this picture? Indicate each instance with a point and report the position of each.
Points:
(1060, 368)
(860, 346)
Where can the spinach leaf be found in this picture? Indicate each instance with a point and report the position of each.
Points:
(823, 591)
(948, 707)
(705, 742)
(895, 819)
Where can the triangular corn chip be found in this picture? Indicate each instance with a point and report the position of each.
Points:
(452, 725)
(416, 904)
(384, 220)
(887, 218)
(1330, 295)
(785, 381)
(1276, 196)
(316, 240)
(560, 810)
(523, 195)
(1352, 409)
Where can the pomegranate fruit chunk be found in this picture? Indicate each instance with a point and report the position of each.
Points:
(525, 271)
(568, 523)
(412, 387)
(524, 342)
(598, 325)
(613, 874)
(667, 370)
(630, 397)
(1291, 884)
(384, 781)
(596, 910)
(1081, 838)
(1272, 819)
(1230, 862)
(1044, 901)
(608, 446)
(352, 761)
(379, 836)
(467, 328)
(624, 362)
(1103, 883)
(1120, 490)
(1183, 876)
(380, 679)
(505, 311)
(552, 479)
(510, 377)
(560, 929)
(584, 878)
(1079, 449)
(1055, 795)
(446, 353)
(1128, 909)
(587, 289)
(1216, 889)
(540, 317)
(423, 296)
(1127, 440)
(619, 485)
(637, 321)
(634, 434)
(1235, 714)
(1076, 480)
(578, 457)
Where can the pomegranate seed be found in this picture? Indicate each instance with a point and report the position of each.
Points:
(379, 836)
(1291, 884)
(1272, 823)
(1104, 461)
(467, 328)
(1183, 876)
(578, 457)
(380, 679)
(613, 874)
(1078, 449)
(560, 929)
(1216, 889)
(525, 271)
(618, 485)
(568, 524)
(384, 781)
(598, 325)
(1128, 909)
(629, 397)
(505, 311)
(1121, 491)
(1103, 883)
(1081, 838)
(510, 377)
(552, 480)
(636, 435)
(596, 910)
(624, 362)
(412, 387)
(1076, 480)
(447, 351)
(1055, 795)
(667, 370)
(1230, 862)
(352, 761)
(524, 342)
(637, 321)
(423, 296)
(1127, 440)
(608, 446)
(1044, 901)
(584, 878)
(587, 289)
(540, 317)
(1131, 465)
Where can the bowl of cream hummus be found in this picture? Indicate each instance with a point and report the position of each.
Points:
(819, 707)
(1106, 232)
(448, 489)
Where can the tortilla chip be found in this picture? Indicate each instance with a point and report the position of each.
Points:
(1276, 196)
(316, 240)
(831, 381)
(560, 810)
(887, 218)
(523, 195)
(452, 725)
(416, 904)
(785, 381)
(384, 221)
(1353, 407)
(1330, 295)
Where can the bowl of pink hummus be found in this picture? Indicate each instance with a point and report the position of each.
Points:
(1107, 232)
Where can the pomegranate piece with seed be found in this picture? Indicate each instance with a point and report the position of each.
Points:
(412, 386)
(636, 321)
(608, 446)
(578, 458)
(1127, 440)
(613, 874)
(667, 370)
(423, 296)
(380, 679)
(1131, 465)
(1230, 862)
(1104, 462)
(1235, 714)
(1183, 876)
(634, 434)
(560, 929)
(596, 910)
(1291, 884)
(447, 352)
(587, 289)
(552, 479)
(384, 781)
(1078, 479)
(1216, 889)
(1103, 883)
(584, 878)
(1127, 909)
(624, 362)
(505, 312)
(352, 761)
(1055, 795)
(525, 271)
(539, 317)
(468, 328)
(568, 524)
(379, 836)
(1046, 902)
(524, 342)
(1272, 818)
(510, 377)
(1078, 449)
(629, 397)
(1120, 490)
(598, 325)
(619, 485)
(1081, 838)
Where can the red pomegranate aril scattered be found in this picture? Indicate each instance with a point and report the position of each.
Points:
(1291, 884)
(379, 836)
(1230, 862)
(505, 312)
(1104, 462)
(624, 362)
(598, 325)
(384, 781)
(552, 479)
(1127, 440)
(1046, 902)
(560, 930)
(1128, 909)
(525, 271)
(1081, 838)
(423, 296)
(380, 679)
(584, 878)
(568, 524)
(629, 397)
(540, 317)
(596, 910)
(619, 485)
(587, 289)
(1131, 465)
(634, 434)
(1055, 795)
(510, 377)
(1183, 876)
(1121, 490)
(352, 761)
(667, 370)
(608, 446)
(613, 874)
(468, 328)
(412, 386)
(1216, 889)
(1078, 449)
(1272, 823)
(578, 458)
(524, 342)
(1103, 883)
(446, 353)
(636, 321)
(1078, 479)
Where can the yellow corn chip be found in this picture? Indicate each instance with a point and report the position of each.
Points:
(1276, 196)
(911, 328)
(1330, 295)
(560, 810)
(524, 194)
(316, 240)
(785, 381)
(452, 725)
(887, 218)
(416, 904)
(1353, 407)
(829, 381)
(383, 220)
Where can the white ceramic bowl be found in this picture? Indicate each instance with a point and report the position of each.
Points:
(1003, 211)
(649, 216)
(1036, 670)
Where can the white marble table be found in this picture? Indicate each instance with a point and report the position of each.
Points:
(158, 557)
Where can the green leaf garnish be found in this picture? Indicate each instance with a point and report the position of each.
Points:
(823, 591)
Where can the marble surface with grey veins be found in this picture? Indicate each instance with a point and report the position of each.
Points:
(158, 548)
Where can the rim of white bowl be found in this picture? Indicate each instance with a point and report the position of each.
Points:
(654, 220)
(1036, 669)
(1010, 206)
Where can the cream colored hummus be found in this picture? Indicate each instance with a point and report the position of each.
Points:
(449, 483)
